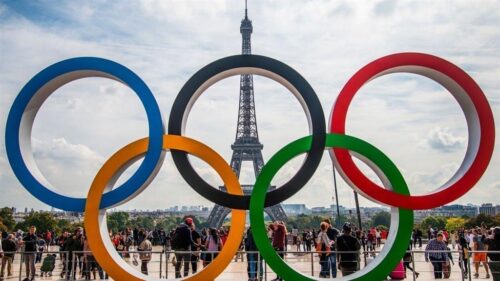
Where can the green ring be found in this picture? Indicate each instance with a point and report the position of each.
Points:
(397, 243)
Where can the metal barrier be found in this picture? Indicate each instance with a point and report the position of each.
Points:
(55, 265)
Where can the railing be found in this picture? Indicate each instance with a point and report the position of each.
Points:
(82, 265)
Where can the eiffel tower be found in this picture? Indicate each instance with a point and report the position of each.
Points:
(247, 146)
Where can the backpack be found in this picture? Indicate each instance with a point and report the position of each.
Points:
(181, 238)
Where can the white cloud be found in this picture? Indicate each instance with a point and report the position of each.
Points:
(165, 42)
(441, 139)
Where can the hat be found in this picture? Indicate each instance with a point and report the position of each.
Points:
(188, 221)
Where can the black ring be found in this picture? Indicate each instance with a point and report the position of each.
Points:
(313, 105)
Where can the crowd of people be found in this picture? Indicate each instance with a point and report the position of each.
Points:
(186, 247)
(482, 242)
(73, 249)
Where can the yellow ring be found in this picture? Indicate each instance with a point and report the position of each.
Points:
(95, 219)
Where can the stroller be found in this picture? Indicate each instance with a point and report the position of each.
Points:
(48, 265)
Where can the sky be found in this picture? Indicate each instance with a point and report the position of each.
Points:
(412, 119)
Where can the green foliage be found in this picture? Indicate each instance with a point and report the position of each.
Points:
(453, 224)
(483, 220)
(304, 222)
(434, 222)
(382, 218)
(3, 228)
(169, 223)
(143, 222)
(42, 220)
(117, 221)
(382, 227)
(7, 219)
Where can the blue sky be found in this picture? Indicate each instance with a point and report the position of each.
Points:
(412, 119)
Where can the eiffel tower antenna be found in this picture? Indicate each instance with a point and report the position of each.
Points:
(246, 9)
(246, 146)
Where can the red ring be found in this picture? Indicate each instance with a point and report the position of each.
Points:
(439, 197)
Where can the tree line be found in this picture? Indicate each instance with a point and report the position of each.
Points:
(119, 220)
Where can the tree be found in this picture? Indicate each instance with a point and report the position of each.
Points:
(434, 222)
(64, 225)
(143, 222)
(43, 221)
(7, 218)
(118, 221)
(382, 218)
(453, 224)
(482, 220)
(169, 223)
(3, 228)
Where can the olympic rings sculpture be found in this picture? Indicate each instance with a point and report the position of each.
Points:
(342, 148)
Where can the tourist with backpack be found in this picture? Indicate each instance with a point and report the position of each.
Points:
(348, 251)
(181, 243)
(145, 247)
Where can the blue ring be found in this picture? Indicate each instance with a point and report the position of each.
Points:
(108, 69)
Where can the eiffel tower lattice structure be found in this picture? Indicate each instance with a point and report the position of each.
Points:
(247, 146)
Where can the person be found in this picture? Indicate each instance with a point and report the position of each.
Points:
(323, 248)
(8, 249)
(408, 259)
(348, 250)
(453, 238)
(306, 241)
(213, 246)
(278, 242)
(30, 248)
(181, 244)
(436, 253)
(419, 237)
(145, 247)
(479, 256)
(464, 254)
(119, 243)
(88, 260)
(494, 246)
(42, 246)
(332, 234)
(371, 241)
(254, 261)
(195, 248)
(447, 265)
(73, 244)
(378, 235)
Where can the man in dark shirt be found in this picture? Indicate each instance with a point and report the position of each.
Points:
(181, 243)
(494, 246)
(73, 243)
(332, 234)
(195, 248)
(30, 248)
(254, 260)
(348, 261)
(9, 249)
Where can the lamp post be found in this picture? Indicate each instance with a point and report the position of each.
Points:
(336, 197)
